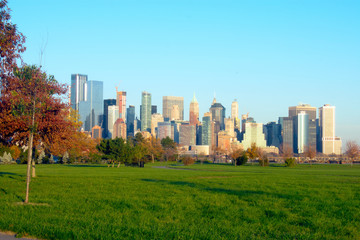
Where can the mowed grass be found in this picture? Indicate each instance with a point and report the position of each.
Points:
(201, 202)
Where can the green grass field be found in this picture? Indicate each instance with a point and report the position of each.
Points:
(205, 202)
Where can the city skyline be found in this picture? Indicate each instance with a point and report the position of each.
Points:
(268, 56)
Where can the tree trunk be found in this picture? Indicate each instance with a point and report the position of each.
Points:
(28, 174)
(33, 168)
(118, 165)
(152, 157)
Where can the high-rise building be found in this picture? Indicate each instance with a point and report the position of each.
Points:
(194, 112)
(164, 130)
(153, 109)
(113, 115)
(207, 127)
(130, 118)
(91, 109)
(301, 132)
(168, 102)
(272, 132)
(155, 119)
(229, 127)
(224, 141)
(218, 114)
(107, 103)
(146, 112)
(329, 143)
(235, 115)
(121, 103)
(96, 132)
(78, 90)
(253, 134)
(119, 129)
(187, 135)
(287, 133)
(175, 113)
(311, 112)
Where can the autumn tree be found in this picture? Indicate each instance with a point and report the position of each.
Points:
(170, 148)
(236, 154)
(154, 148)
(310, 152)
(352, 151)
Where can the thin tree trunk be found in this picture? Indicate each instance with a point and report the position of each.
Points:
(33, 168)
(31, 138)
(118, 165)
(152, 156)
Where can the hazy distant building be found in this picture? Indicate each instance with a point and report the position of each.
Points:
(130, 119)
(272, 133)
(187, 135)
(96, 132)
(235, 115)
(121, 103)
(153, 109)
(175, 113)
(164, 130)
(155, 119)
(224, 141)
(146, 112)
(107, 103)
(253, 134)
(206, 129)
(113, 115)
(119, 129)
(168, 102)
(329, 143)
(229, 127)
(301, 132)
(194, 112)
(218, 114)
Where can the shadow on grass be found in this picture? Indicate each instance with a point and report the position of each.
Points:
(239, 193)
(85, 166)
(9, 173)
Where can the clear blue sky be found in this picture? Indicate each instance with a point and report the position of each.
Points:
(268, 55)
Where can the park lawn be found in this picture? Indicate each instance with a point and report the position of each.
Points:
(205, 201)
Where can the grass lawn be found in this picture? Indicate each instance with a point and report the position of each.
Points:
(205, 202)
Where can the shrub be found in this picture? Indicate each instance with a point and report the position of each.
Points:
(290, 162)
(187, 160)
(264, 162)
(242, 159)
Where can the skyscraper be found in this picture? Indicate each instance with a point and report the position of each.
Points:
(130, 119)
(187, 135)
(155, 119)
(107, 103)
(218, 114)
(113, 115)
(235, 115)
(146, 111)
(253, 134)
(329, 143)
(194, 112)
(91, 110)
(301, 132)
(121, 103)
(153, 109)
(168, 102)
(206, 134)
(287, 133)
(78, 90)
(272, 132)
(119, 129)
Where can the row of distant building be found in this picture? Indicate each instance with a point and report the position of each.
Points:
(110, 118)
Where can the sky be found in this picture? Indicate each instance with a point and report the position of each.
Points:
(268, 55)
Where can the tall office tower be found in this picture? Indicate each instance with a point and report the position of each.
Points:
(121, 102)
(224, 141)
(155, 119)
(91, 110)
(229, 127)
(164, 130)
(107, 103)
(153, 109)
(175, 128)
(199, 134)
(175, 113)
(244, 117)
(146, 111)
(168, 102)
(235, 115)
(206, 133)
(187, 135)
(119, 129)
(218, 114)
(194, 112)
(272, 132)
(330, 144)
(253, 134)
(130, 118)
(301, 132)
(96, 132)
(287, 133)
(311, 111)
(113, 115)
(78, 90)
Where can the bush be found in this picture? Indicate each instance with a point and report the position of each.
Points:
(242, 159)
(290, 162)
(264, 162)
(187, 160)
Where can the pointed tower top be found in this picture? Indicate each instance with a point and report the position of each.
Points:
(194, 99)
